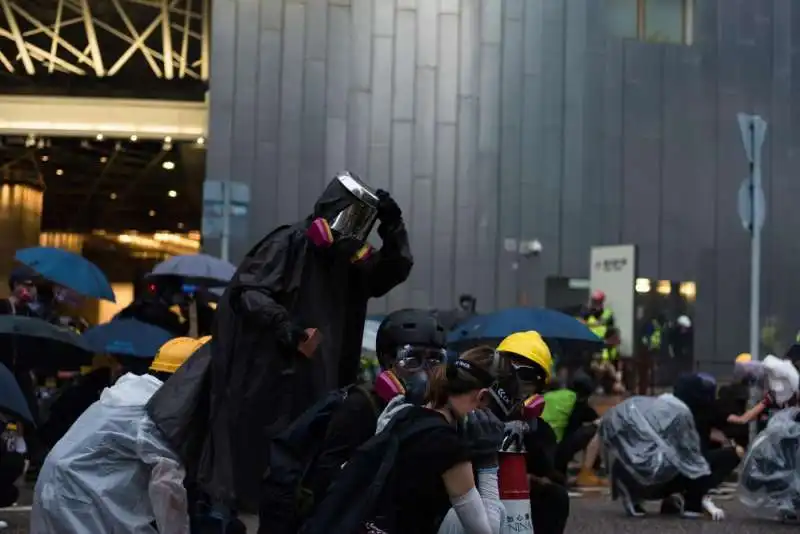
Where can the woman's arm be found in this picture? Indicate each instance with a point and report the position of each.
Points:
(459, 481)
(749, 415)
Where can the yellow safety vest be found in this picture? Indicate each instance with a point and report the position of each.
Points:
(654, 341)
(599, 325)
(610, 354)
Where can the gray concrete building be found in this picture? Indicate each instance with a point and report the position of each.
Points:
(494, 122)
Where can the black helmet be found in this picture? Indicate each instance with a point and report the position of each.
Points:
(408, 327)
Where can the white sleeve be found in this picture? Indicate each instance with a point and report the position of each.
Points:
(479, 511)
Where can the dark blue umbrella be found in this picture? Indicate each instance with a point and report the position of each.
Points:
(32, 342)
(200, 269)
(12, 400)
(551, 325)
(68, 269)
(127, 336)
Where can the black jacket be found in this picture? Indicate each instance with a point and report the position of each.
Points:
(254, 385)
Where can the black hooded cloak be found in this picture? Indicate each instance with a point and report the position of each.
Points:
(255, 386)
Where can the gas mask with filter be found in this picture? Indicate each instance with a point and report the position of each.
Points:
(344, 216)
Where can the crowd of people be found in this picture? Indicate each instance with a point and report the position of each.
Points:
(262, 424)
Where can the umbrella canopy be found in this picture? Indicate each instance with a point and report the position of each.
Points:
(68, 269)
(551, 325)
(12, 400)
(200, 269)
(34, 342)
(127, 336)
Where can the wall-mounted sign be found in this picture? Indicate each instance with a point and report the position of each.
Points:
(613, 271)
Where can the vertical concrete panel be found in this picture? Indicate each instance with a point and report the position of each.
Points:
(574, 254)
(552, 118)
(508, 260)
(427, 33)
(361, 27)
(337, 90)
(312, 164)
(642, 117)
(447, 72)
(358, 125)
(421, 234)
(381, 114)
(383, 18)
(443, 215)
(291, 113)
(469, 38)
(612, 143)
(402, 155)
(404, 66)
(317, 30)
(425, 122)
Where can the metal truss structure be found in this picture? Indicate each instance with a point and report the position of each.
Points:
(102, 37)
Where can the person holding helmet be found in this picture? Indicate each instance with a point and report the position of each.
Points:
(532, 361)
(113, 470)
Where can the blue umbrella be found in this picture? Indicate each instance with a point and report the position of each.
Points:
(34, 342)
(68, 269)
(12, 400)
(551, 324)
(200, 269)
(127, 336)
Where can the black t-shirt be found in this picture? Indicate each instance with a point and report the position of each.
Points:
(352, 424)
(540, 447)
(419, 492)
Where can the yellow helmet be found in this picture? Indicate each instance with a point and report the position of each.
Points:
(531, 346)
(174, 352)
(744, 358)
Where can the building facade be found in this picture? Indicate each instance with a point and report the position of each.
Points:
(498, 122)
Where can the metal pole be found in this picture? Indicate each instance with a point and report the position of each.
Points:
(225, 242)
(755, 267)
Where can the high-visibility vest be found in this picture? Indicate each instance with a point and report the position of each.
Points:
(599, 325)
(610, 354)
(653, 342)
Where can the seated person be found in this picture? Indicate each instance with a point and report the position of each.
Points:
(574, 423)
(606, 365)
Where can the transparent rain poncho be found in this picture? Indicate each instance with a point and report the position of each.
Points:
(112, 472)
(654, 438)
(770, 480)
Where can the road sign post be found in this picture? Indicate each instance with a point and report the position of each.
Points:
(752, 212)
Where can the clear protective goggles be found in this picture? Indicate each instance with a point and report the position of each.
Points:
(529, 374)
(414, 357)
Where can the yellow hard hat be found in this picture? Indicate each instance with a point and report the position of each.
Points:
(744, 358)
(531, 346)
(174, 352)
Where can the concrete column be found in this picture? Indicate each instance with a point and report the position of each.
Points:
(20, 222)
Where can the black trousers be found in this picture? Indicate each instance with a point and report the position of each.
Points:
(721, 462)
(549, 507)
(11, 466)
(572, 444)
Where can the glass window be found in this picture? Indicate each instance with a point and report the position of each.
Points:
(622, 19)
(663, 21)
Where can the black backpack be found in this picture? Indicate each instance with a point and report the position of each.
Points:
(361, 499)
(292, 454)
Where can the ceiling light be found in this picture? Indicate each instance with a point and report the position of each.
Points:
(103, 159)
(168, 165)
(167, 139)
(40, 144)
(113, 196)
(172, 193)
(45, 158)
(180, 226)
(152, 213)
(30, 141)
(134, 138)
(201, 140)
(59, 172)
(99, 137)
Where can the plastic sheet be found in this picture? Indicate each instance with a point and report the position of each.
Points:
(112, 471)
(654, 438)
(770, 480)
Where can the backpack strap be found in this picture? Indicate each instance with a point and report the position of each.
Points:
(367, 392)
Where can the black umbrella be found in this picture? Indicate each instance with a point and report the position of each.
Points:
(12, 400)
(32, 342)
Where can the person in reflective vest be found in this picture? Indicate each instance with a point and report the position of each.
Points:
(597, 316)
(652, 335)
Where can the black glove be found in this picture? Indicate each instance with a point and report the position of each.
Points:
(484, 433)
(290, 335)
(389, 212)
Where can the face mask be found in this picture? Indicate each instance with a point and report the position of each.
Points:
(533, 407)
(24, 295)
(416, 387)
(388, 386)
(320, 233)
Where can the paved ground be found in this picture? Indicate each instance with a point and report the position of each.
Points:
(591, 514)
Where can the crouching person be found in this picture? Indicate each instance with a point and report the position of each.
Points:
(113, 471)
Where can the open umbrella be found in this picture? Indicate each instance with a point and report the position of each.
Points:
(68, 269)
(551, 325)
(12, 400)
(199, 269)
(127, 336)
(33, 342)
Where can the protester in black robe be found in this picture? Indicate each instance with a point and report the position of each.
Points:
(318, 273)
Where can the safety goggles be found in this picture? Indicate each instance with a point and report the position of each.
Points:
(529, 374)
(414, 358)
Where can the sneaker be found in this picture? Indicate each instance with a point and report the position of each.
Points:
(672, 505)
(587, 479)
(632, 508)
